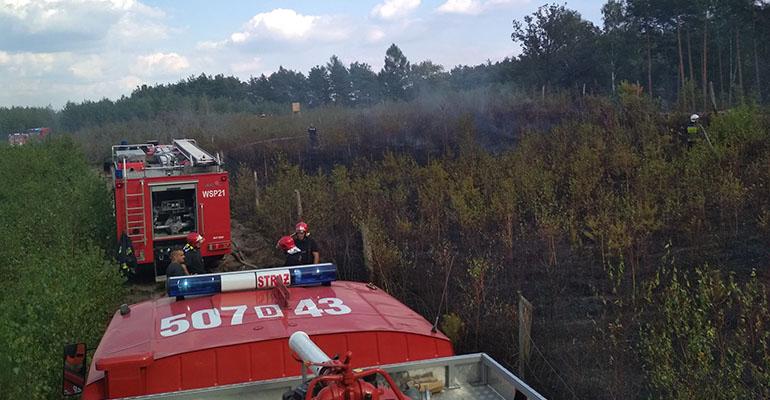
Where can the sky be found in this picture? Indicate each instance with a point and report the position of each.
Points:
(54, 51)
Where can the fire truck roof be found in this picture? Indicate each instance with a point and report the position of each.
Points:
(165, 327)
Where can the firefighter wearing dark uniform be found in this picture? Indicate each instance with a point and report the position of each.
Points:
(308, 246)
(291, 251)
(126, 257)
(192, 254)
(312, 135)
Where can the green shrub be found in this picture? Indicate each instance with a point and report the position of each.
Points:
(710, 340)
(56, 222)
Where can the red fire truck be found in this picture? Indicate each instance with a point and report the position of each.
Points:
(164, 192)
(21, 138)
(241, 335)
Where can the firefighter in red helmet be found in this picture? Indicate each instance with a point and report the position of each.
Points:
(192, 254)
(308, 246)
(290, 249)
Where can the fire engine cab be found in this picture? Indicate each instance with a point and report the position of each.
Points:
(258, 334)
(164, 192)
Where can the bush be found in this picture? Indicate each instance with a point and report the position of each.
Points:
(56, 222)
(710, 340)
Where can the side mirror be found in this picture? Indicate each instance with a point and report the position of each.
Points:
(74, 370)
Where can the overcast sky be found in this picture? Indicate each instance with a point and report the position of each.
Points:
(52, 51)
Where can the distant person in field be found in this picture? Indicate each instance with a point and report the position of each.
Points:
(176, 267)
(308, 246)
(291, 251)
(192, 254)
(312, 135)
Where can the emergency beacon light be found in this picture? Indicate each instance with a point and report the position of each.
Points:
(304, 275)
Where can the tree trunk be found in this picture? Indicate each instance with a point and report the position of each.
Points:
(649, 64)
(682, 93)
(367, 250)
(509, 237)
(299, 204)
(756, 64)
(692, 71)
(613, 77)
(256, 191)
(704, 68)
(525, 330)
(738, 62)
(721, 71)
(731, 80)
(689, 57)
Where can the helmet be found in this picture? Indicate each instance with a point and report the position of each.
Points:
(194, 237)
(301, 226)
(286, 243)
(694, 118)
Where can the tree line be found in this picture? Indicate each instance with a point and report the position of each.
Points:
(693, 56)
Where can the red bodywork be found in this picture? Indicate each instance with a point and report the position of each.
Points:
(213, 219)
(19, 138)
(167, 345)
(157, 203)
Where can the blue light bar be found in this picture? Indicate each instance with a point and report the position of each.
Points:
(313, 274)
(304, 275)
(192, 285)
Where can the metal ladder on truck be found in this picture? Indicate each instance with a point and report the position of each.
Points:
(135, 216)
(195, 154)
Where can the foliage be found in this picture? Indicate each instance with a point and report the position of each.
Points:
(365, 86)
(55, 221)
(452, 326)
(340, 83)
(396, 82)
(558, 46)
(319, 86)
(710, 339)
(19, 119)
(573, 215)
(243, 195)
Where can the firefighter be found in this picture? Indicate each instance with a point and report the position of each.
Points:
(292, 252)
(692, 130)
(306, 244)
(192, 254)
(312, 135)
(126, 257)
